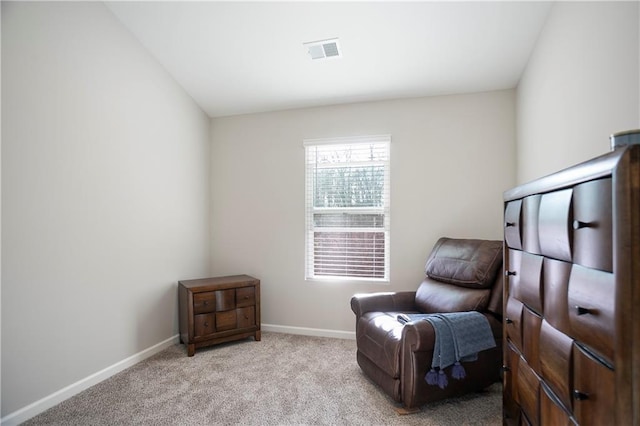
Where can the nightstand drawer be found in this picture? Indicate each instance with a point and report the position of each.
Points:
(245, 296)
(204, 302)
(246, 317)
(226, 320)
(225, 300)
(204, 324)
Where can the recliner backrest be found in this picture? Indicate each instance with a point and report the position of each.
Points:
(462, 275)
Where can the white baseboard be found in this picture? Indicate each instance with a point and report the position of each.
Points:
(305, 331)
(55, 398)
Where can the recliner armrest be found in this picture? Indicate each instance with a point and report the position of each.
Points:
(383, 302)
(418, 336)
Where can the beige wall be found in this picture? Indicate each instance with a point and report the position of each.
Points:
(581, 85)
(451, 159)
(105, 197)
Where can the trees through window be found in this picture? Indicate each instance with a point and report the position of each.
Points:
(347, 206)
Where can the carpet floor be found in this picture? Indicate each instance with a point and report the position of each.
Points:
(282, 380)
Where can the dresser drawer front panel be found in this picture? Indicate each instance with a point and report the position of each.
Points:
(591, 309)
(510, 384)
(226, 320)
(529, 391)
(531, 323)
(512, 273)
(245, 296)
(204, 302)
(556, 350)
(556, 288)
(204, 324)
(225, 300)
(512, 224)
(513, 322)
(594, 390)
(246, 317)
(552, 413)
(592, 235)
(555, 231)
(530, 218)
(530, 287)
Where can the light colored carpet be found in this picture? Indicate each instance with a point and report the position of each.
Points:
(282, 380)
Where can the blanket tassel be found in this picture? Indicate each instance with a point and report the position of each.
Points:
(457, 372)
(432, 377)
(442, 380)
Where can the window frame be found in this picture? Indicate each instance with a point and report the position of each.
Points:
(311, 210)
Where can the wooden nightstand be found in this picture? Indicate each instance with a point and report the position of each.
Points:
(217, 310)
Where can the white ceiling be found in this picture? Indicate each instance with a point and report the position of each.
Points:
(241, 57)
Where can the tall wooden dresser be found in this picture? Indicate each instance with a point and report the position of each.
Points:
(572, 295)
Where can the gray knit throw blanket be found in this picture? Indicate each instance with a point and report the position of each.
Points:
(459, 338)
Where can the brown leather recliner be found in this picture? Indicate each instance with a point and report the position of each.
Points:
(462, 275)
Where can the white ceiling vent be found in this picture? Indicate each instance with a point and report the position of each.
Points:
(323, 49)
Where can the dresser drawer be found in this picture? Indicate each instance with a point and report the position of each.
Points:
(204, 302)
(592, 228)
(591, 309)
(510, 385)
(512, 224)
(245, 296)
(556, 288)
(531, 323)
(513, 321)
(512, 272)
(530, 281)
(204, 324)
(551, 412)
(528, 392)
(594, 390)
(530, 218)
(554, 224)
(556, 351)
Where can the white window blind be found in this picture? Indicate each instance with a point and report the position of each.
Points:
(347, 208)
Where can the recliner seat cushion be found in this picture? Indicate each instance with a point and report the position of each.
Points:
(465, 262)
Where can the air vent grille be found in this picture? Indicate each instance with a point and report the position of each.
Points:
(323, 49)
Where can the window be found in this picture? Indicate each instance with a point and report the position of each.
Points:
(347, 208)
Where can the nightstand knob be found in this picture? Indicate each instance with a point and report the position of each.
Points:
(580, 396)
(508, 321)
(206, 324)
(506, 368)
